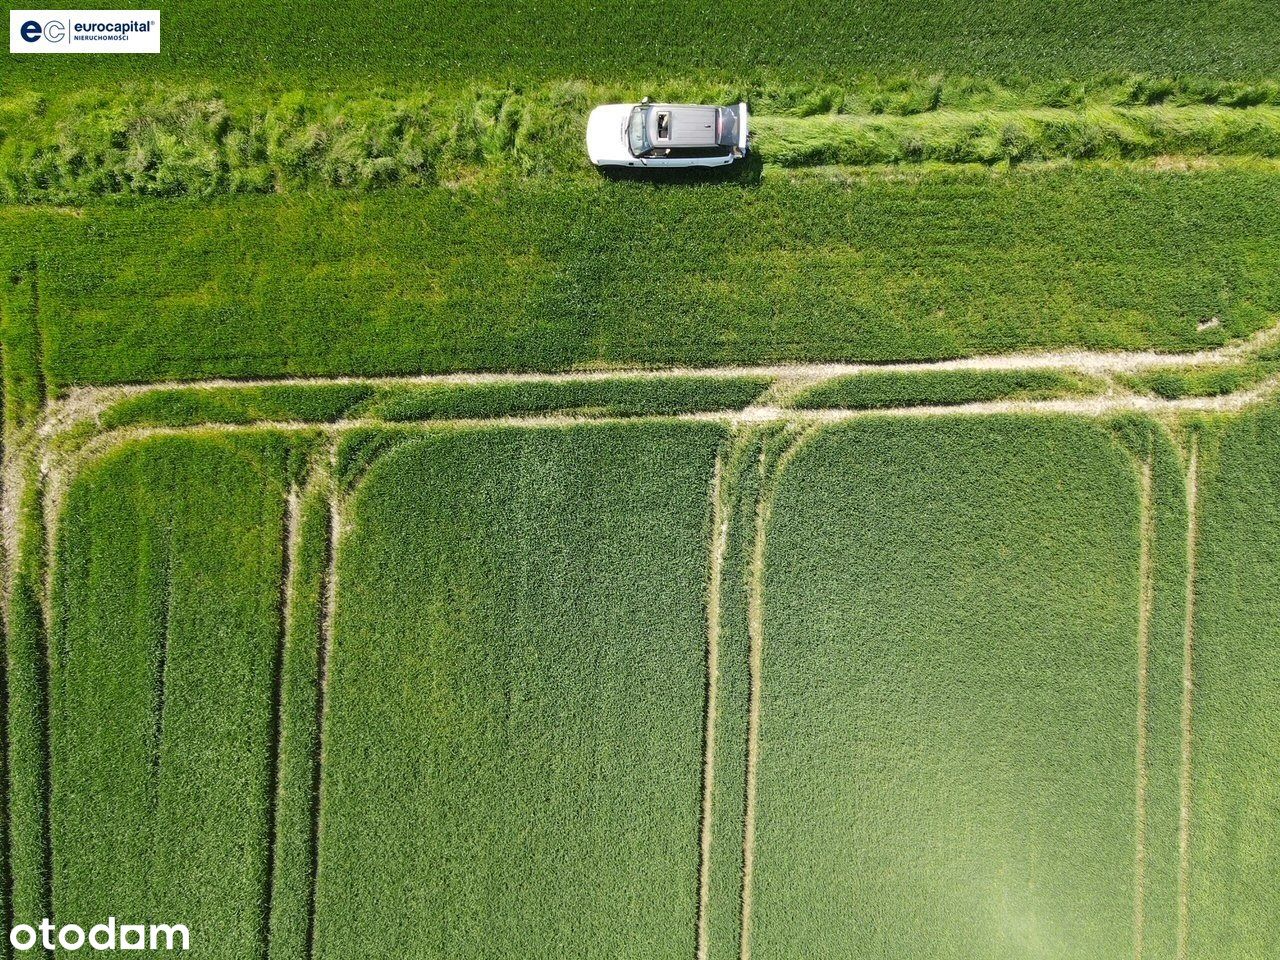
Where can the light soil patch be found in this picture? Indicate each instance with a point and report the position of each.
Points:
(1188, 684)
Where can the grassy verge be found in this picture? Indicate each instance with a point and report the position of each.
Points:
(880, 390)
(173, 141)
(513, 746)
(561, 276)
(163, 688)
(963, 597)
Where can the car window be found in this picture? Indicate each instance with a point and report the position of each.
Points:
(664, 125)
(687, 152)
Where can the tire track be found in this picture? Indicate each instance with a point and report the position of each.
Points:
(329, 600)
(289, 542)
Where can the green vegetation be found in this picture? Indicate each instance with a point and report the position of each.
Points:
(512, 762)
(191, 406)
(557, 277)
(299, 766)
(949, 695)
(1235, 734)
(323, 692)
(1216, 380)
(1020, 136)
(890, 388)
(172, 141)
(164, 674)
(328, 403)
(398, 41)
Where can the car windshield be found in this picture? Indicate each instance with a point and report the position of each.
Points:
(636, 134)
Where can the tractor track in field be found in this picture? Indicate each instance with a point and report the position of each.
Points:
(770, 477)
(39, 467)
(328, 614)
(290, 543)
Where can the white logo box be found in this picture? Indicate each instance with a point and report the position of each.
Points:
(84, 31)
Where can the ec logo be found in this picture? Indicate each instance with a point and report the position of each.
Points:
(55, 31)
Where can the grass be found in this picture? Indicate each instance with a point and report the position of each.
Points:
(329, 403)
(1215, 380)
(513, 744)
(1235, 740)
(163, 678)
(889, 388)
(192, 141)
(396, 42)
(557, 277)
(1020, 136)
(949, 694)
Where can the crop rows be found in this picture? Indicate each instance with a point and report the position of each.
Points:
(397, 43)
(126, 529)
(556, 277)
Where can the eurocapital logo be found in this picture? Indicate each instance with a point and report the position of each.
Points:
(84, 31)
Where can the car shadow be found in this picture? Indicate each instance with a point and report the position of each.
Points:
(747, 172)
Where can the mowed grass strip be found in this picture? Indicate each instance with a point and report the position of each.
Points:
(514, 732)
(950, 693)
(551, 278)
(185, 140)
(1235, 668)
(942, 388)
(164, 686)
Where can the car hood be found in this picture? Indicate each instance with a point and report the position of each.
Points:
(606, 133)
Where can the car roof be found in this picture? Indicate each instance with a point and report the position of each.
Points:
(682, 125)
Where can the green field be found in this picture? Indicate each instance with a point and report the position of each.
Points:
(417, 544)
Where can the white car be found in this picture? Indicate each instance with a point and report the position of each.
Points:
(666, 135)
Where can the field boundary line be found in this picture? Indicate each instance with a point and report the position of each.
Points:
(84, 402)
(290, 542)
(770, 477)
(1146, 599)
(719, 545)
(1188, 684)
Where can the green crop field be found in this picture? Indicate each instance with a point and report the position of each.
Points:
(419, 544)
